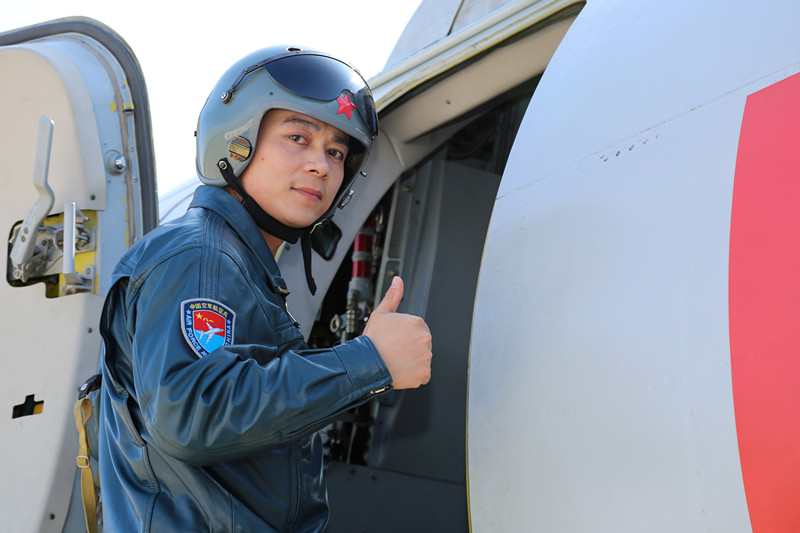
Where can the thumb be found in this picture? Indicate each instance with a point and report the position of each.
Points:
(392, 298)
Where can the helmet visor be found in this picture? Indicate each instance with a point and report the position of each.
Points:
(318, 77)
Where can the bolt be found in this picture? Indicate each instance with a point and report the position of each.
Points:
(115, 162)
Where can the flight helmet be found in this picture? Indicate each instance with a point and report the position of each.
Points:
(283, 77)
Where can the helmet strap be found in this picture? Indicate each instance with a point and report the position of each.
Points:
(269, 224)
(305, 247)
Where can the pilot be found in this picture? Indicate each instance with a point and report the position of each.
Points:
(211, 399)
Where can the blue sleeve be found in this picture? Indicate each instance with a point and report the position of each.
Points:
(265, 389)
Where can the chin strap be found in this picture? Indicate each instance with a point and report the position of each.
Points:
(269, 224)
(305, 246)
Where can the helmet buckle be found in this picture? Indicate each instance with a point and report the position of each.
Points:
(346, 199)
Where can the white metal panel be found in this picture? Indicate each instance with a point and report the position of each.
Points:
(600, 390)
(174, 202)
(43, 337)
(476, 84)
(443, 55)
(628, 66)
(51, 344)
(430, 23)
(472, 10)
(39, 87)
(600, 393)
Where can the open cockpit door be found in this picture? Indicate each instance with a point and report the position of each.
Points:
(450, 101)
(78, 188)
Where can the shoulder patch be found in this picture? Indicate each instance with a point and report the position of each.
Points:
(207, 325)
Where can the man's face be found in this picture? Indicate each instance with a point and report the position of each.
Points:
(297, 168)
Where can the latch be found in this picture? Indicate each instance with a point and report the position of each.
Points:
(74, 282)
(26, 256)
(43, 246)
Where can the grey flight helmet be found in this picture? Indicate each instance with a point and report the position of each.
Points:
(283, 77)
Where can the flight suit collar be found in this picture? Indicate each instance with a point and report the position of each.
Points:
(223, 204)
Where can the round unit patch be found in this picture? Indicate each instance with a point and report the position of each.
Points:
(207, 325)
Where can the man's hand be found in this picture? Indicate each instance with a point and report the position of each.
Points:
(404, 341)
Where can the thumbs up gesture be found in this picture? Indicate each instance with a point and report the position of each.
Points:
(404, 341)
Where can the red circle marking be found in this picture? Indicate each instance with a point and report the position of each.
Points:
(764, 300)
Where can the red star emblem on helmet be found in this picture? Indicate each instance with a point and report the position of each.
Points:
(345, 106)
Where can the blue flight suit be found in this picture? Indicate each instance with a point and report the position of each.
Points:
(211, 399)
